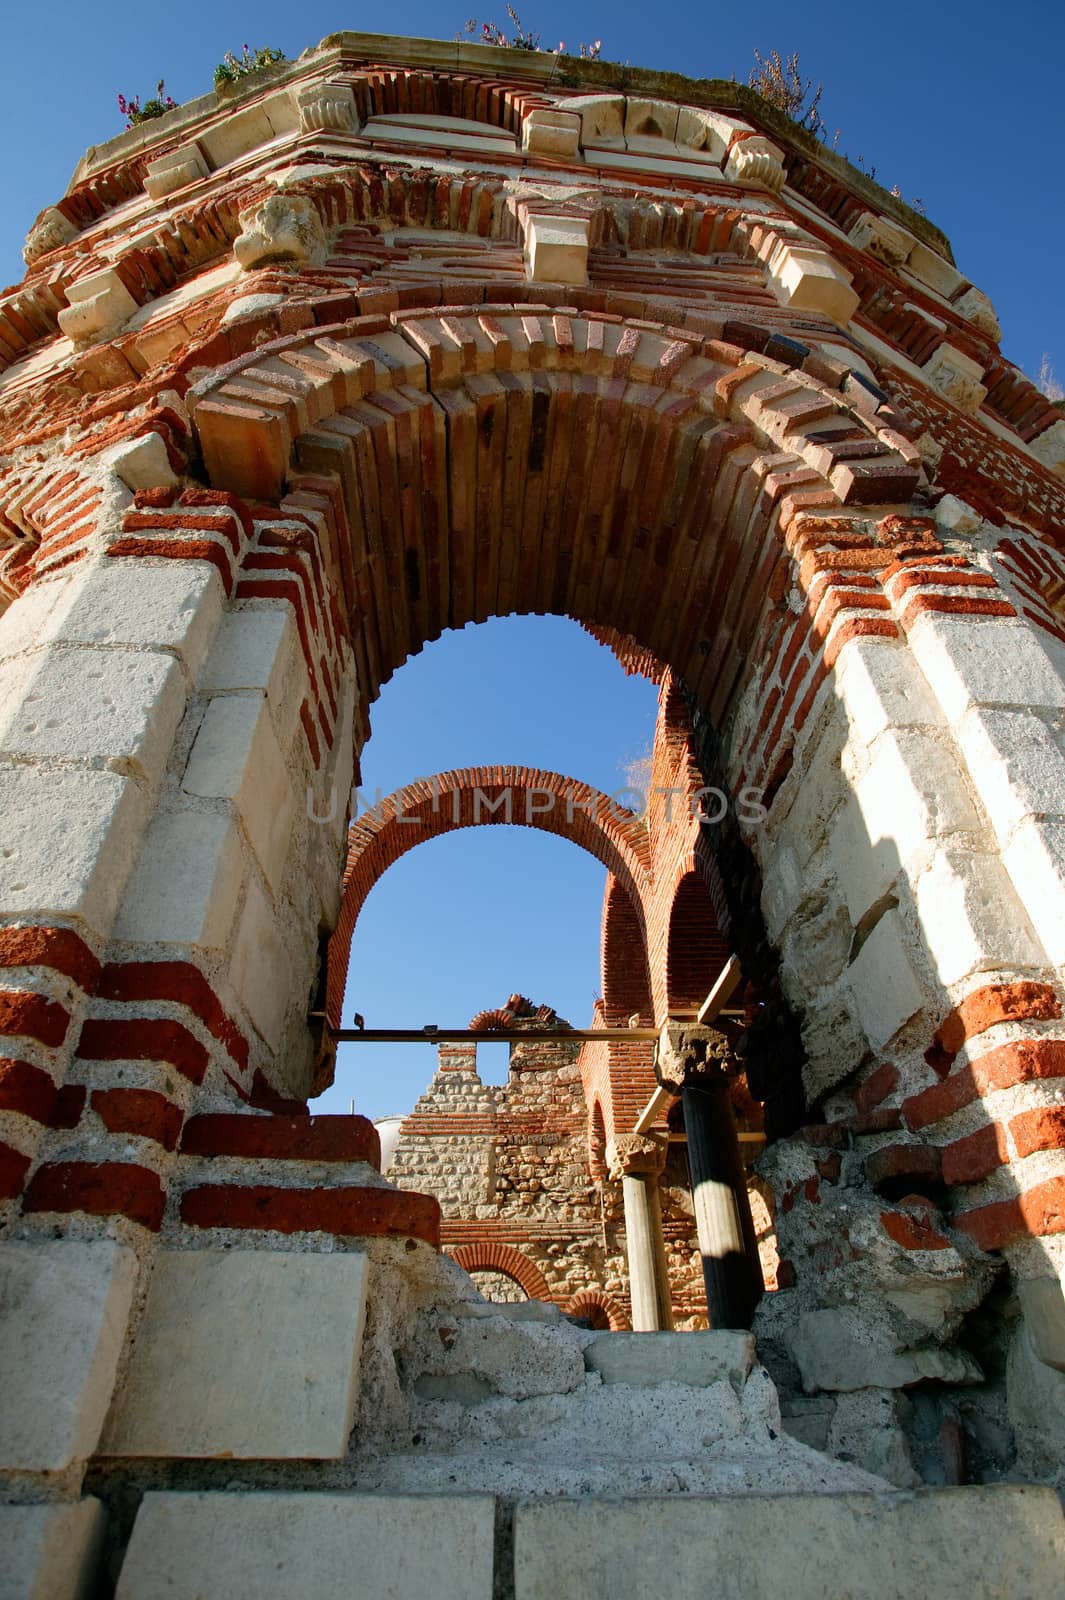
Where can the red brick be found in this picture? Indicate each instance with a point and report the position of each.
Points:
(347, 1212)
(102, 1189)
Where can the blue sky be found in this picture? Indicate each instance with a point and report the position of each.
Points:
(959, 104)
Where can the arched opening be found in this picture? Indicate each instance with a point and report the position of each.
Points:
(697, 950)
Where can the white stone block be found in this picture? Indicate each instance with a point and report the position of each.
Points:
(119, 706)
(556, 249)
(22, 624)
(602, 117)
(757, 162)
(1017, 765)
(174, 171)
(169, 605)
(260, 970)
(972, 917)
(551, 133)
(931, 269)
(881, 238)
(911, 793)
(1035, 861)
(883, 983)
(63, 1312)
(955, 516)
(143, 463)
(954, 1544)
(98, 306)
(236, 757)
(957, 377)
(985, 663)
(1049, 447)
(185, 885)
(808, 279)
(976, 308)
(327, 107)
(318, 1546)
(249, 1354)
(70, 839)
(51, 1552)
(882, 686)
(251, 651)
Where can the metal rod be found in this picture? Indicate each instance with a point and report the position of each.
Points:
(497, 1035)
(493, 1036)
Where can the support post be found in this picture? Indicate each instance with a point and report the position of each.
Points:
(694, 1061)
(637, 1161)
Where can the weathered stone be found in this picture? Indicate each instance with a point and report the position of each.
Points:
(836, 1350)
(51, 1552)
(98, 305)
(556, 249)
(1035, 1396)
(51, 231)
(868, 1427)
(63, 1310)
(696, 1359)
(283, 228)
(274, 1546)
(257, 1352)
(954, 1543)
(1043, 1303)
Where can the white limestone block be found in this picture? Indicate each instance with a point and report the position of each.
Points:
(251, 651)
(70, 839)
(175, 170)
(650, 119)
(119, 706)
(51, 1552)
(286, 227)
(556, 249)
(51, 231)
(757, 162)
(808, 279)
(957, 377)
(882, 980)
(329, 1546)
(955, 1544)
(249, 1354)
(236, 134)
(881, 686)
(185, 884)
(985, 663)
(955, 516)
(250, 305)
(22, 624)
(169, 605)
(930, 268)
(551, 133)
(327, 106)
(63, 1311)
(975, 306)
(1035, 861)
(260, 970)
(98, 305)
(236, 757)
(700, 130)
(142, 463)
(1049, 448)
(602, 118)
(1017, 765)
(972, 918)
(910, 795)
(883, 239)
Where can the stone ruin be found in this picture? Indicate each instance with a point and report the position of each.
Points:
(396, 337)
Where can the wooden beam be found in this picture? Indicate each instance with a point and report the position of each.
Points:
(722, 992)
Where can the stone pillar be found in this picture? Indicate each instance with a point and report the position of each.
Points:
(637, 1161)
(694, 1061)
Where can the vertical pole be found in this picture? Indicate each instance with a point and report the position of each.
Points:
(640, 1246)
(637, 1160)
(722, 1211)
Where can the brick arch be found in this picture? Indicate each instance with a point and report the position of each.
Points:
(505, 1259)
(476, 797)
(696, 949)
(592, 1300)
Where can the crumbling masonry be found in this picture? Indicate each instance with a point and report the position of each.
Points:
(396, 337)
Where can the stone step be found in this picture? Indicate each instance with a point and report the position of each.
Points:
(956, 1544)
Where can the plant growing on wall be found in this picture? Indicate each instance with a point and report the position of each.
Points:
(232, 68)
(523, 39)
(134, 112)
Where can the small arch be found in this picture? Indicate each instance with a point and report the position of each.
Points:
(490, 1257)
(697, 950)
(600, 1309)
